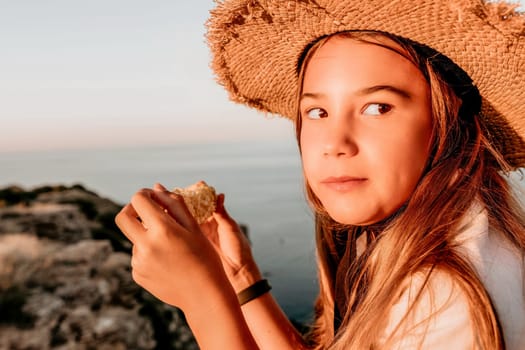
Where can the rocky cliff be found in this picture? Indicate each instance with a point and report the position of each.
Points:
(65, 280)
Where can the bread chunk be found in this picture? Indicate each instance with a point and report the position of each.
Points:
(200, 198)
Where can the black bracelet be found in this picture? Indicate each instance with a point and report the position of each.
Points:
(254, 291)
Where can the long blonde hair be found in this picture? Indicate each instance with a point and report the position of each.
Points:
(419, 238)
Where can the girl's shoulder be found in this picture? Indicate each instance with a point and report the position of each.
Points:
(500, 266)
(479, 243)
(432, 312)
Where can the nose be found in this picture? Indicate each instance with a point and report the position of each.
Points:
(339, 140)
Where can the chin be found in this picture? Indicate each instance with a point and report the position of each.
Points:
(354, 220)
(355, 217)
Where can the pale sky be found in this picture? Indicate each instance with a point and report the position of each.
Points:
(98, 73)
(81, 74)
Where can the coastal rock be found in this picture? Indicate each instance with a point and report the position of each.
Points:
(65, 280)
(63, 222)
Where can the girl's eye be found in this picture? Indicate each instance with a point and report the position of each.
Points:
(377, 109)
(316, 113)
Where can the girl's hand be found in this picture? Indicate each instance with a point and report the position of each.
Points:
(172, 259)
(232, 246)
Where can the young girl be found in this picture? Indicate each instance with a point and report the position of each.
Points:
(408, 116)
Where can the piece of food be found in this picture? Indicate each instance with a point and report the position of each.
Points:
(200, 200)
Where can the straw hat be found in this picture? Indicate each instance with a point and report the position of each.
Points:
(257, 44)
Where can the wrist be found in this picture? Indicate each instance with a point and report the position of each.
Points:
(245, 277)
(222, 308)
(254, 291)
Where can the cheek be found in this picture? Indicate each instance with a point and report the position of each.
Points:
(306, 142)
(397, 162)
(403, 167)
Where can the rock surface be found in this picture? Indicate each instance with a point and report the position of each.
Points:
(65, 280)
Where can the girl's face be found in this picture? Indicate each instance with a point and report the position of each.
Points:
(366, 129)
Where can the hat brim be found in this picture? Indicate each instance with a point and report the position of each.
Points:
(256, 47)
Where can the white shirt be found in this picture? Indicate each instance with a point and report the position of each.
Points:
(501, 268)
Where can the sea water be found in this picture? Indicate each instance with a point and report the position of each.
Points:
(262, 183)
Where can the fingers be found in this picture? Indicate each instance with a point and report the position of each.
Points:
(159, 187)
(209, 229)
(220, 214)
(146, 213)
(227, 227)
(220, 203)
(128, 222)
(153, 207)
(147, 208)
(176, 207)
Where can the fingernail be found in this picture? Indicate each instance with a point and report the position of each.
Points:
(160, 187)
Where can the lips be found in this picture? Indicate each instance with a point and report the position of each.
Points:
(343, 183)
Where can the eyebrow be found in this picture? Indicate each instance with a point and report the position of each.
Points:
(367, 91)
